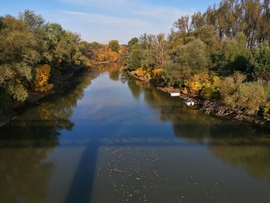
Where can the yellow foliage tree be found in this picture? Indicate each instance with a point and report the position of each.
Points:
(205, 85)
(197, 82)
(142, 72)
(41, 79)
(157, 73)
(106, 54)
(121, 49)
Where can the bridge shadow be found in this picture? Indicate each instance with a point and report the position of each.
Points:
(82, 184)
(83, 181)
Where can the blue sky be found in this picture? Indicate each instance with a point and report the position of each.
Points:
(104, 20)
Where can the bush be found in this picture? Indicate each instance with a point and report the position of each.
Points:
(142, 71)
(230, 84)
(249, 96)
(17, 91)
(157, 73)
(42, 77)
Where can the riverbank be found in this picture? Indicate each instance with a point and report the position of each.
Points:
(212, 107)
(14, 108)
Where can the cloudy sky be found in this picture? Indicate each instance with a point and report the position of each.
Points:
(104, 20)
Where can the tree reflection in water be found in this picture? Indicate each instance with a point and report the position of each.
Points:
(137, 164)
(27, 141)
(233, 142)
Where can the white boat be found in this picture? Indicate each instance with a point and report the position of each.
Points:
(175, 94)
(189, 101)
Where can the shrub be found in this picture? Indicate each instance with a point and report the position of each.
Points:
(157, 73)
(250, 96)
(41, 79)
(17, 91)
(142, 71)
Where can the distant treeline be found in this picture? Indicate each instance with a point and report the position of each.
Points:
(37, 56)
(222, 54)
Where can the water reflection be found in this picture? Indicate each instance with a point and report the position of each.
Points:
(135, 88)
(24, 177)
(26, 143)
(242, 147)
(237, 144)
(120, 139)
(112, 69)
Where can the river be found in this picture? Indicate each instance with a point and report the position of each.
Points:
(111, 138)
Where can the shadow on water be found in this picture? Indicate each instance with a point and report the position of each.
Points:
(26, 142)
(130, 165)
(233, 142)
(82, 183)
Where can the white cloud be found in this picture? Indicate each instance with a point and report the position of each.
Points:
(104, 3)
(110, 21)
(117, 19)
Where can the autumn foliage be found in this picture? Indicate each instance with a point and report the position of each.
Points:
(41, 81)
(109, 53)
(106, 54)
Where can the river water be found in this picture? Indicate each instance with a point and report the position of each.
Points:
(110, 138)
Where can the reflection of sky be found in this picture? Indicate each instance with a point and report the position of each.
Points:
(120, 147)
(105, 100)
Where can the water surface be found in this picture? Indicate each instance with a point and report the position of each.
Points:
(110, 138)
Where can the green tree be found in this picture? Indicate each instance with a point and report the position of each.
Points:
(260, 59)
(17, 56)
(85, 49)
(184, 27)
(192, 56)
(207, 35)
(33, 20)
(174, 74)
(148, 42)
(235, 54)
(134, 59)
(148, 59)
(37, 25)
(114, 45)
(186, 60)
(63, 50)
(131, 42)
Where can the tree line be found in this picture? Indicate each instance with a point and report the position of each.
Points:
(223, 53)
(37, 56)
